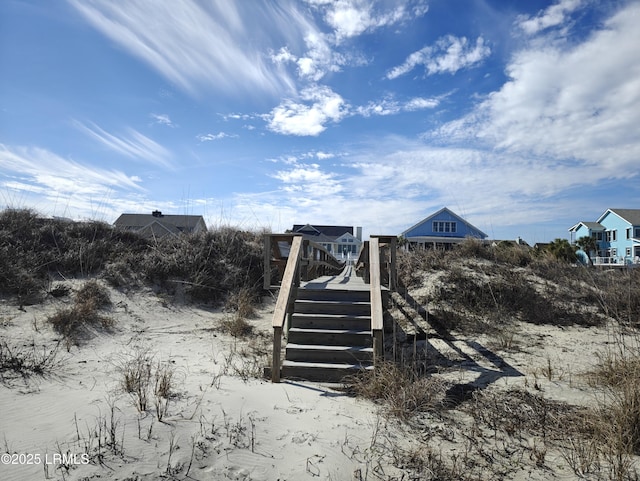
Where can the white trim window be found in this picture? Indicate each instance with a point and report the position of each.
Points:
(445, 226)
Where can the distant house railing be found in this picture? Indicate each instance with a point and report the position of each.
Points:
(615, 261)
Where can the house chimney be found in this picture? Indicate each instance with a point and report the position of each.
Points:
(156, 213)
(359, 233)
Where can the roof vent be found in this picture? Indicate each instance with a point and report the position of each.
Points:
(156, 213)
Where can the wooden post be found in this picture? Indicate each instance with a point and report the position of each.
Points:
(277, 347)
(393, 273)
(377, 314)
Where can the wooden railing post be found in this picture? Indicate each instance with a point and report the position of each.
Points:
(277, 347)
(290, 281)
(377, 319)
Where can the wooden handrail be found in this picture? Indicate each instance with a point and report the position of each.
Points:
(377, 316)
(304, 260)
(315, 260)
(287, 289)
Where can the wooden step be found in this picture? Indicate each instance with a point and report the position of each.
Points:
(334, 295)
(322, 372)
(332, 307)
(330, 321)
(330, 337)
(329, 354)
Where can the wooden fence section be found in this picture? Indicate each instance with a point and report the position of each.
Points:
(289, 259)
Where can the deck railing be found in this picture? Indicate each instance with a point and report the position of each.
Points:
(288, 259)
(377, 264)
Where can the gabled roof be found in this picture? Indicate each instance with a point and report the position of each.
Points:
(332, 231)
(594, 226)
(450, 212)
(179, 222)
(632, 216)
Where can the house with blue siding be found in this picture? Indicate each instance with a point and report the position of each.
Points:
(441, 230)
(617, 237)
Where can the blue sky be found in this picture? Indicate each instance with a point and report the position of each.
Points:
(521, 116)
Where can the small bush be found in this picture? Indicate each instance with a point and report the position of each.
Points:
(27, 360)
(74, 322)
(93, 294)
(236, 326)
(402, 391)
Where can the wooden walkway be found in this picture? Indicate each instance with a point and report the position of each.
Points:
(346, 280)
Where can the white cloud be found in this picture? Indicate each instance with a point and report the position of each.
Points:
(420, 103)
(309, 180)
(350, 18)
(552, 16)
(162, 119)
(297, 118)
(198, 46)
(448, 55)
(391, 107)
(44, 171)
(579, 104)
(218, 136)
(135, 146)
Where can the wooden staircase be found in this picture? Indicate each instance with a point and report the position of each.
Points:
(330, 335)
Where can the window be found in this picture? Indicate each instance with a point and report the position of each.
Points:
(615, 235)
(442, 226)
(614, 252)
(627, 252)
(637, 232)
(629, 233)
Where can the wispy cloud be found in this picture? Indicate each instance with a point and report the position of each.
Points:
(391, 106)
(551, 16)
(321, 105)
(448, 55)
(218, 136)
(162, 119)
(135, 145)
(45, 172)
(197, 46)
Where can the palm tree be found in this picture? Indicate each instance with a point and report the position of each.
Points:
(588, 244)
(561, 249)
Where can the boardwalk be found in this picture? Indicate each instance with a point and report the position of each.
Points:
(346, 280)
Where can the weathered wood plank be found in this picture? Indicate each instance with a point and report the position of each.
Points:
(287, 285)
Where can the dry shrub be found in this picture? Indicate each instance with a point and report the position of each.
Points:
(241, 302)
(619, 411)
(402, 391)
(94, 294)
(236, 326)
(74, 323)
(517, 412)
(26, 360)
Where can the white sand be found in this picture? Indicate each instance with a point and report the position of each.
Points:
(221, 424)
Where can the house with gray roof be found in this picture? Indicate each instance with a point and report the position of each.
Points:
(157, 225)
(338, 240)
(617, 236)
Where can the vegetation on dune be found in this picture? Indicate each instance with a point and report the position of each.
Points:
(476, 287)
(211, 265)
